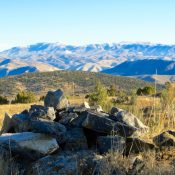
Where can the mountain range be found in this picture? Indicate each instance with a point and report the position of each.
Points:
(128, 59)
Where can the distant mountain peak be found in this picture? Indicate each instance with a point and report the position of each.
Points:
(45, 56)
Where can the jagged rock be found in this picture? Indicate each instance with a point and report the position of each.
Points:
(29, 144)
(38, 111)
(68, 163)
(77, 122)
(66, 117)
(6, 124)
(110, 143)
(75, 140)
(130, 120)
(136, 145)
(166, 138)
(115, 110)
(56, 99)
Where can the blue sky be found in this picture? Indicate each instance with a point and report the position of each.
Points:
(24, 22)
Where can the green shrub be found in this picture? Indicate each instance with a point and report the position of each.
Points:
(99, 95)
(3, 100)
(25, 97)
(147, 90)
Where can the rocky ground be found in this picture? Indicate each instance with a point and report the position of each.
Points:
(60, 139)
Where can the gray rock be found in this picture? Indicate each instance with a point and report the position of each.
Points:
(77, 122)
(26, 143)
(75, 140)
(130, 120)
(23, 123)
(166, 138)
(6, 124)
(101, 123)
(68, 163)
(47, 127)
(115, 110)
(137, 145)
(111, 143)
(56, 99)
(67, 117)
(38, 111)
(98, 122)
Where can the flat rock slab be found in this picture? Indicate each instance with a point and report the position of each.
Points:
(29, 141)
(23, 123)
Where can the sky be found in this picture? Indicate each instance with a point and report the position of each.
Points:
(79, 22)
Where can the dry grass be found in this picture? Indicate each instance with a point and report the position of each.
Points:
(77, 100)
(13, 109)
(146, 165)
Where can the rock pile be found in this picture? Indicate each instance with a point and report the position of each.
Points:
(59, 139)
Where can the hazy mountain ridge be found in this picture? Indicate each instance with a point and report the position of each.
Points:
(143, 67)
(148, 70)
(92, 57)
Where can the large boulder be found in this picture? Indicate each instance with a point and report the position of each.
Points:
(166, 138)
(68, 163)
(56, 99)
(101, 123)
(130, 120)
(98, 122)
(110, 143)
(28, 144)
(38, 111)
(75, 140)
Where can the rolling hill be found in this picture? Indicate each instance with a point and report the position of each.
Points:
(77, 82)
